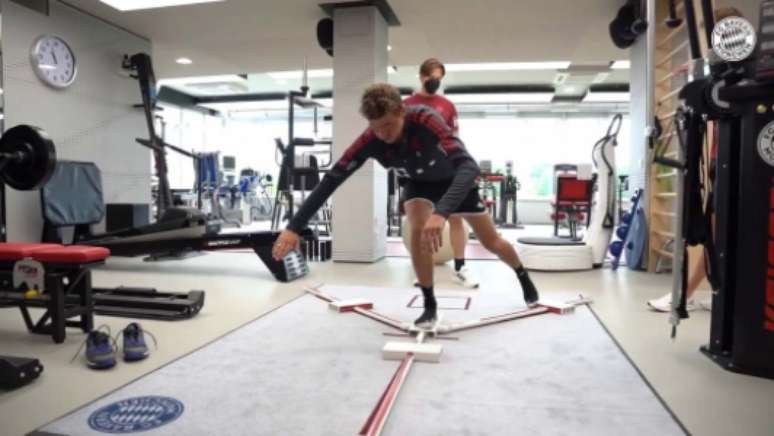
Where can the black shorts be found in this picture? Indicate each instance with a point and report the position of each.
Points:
(433, 191)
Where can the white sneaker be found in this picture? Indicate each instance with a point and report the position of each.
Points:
(664, 304)
(465, 278)
(706, 304)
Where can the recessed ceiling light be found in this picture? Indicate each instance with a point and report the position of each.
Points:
(133, 5)
(621, 65)
(184, 61)
(389, 48)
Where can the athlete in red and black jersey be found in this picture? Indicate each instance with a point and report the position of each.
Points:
(420, 146)
(431, 72)
(439, 103)
(425, 153)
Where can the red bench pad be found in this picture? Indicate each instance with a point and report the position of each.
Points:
(20, 250)
(71, 254)
(75, 254)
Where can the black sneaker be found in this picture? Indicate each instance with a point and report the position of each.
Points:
(427, 319)
(531, 296)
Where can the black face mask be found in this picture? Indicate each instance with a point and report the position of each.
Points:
(431, 85)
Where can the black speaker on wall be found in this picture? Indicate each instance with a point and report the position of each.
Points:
(325, 35)
(628, 24)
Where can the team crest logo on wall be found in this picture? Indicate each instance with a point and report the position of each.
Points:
(136, 414)
(766, 144)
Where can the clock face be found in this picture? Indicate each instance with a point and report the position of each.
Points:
(53, 61)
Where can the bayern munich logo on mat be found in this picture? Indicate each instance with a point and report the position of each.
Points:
(136, 414)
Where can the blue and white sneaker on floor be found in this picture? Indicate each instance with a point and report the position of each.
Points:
(134, 346)
(100, 349)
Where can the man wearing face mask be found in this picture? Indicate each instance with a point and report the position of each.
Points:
(431, 72)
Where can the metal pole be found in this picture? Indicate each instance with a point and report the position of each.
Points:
(290, 152)
(679, 259)
(709, 19)
(650, 75)
(693, 32)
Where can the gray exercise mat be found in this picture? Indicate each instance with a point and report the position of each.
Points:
(307, 370)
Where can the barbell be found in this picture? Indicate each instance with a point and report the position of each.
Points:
(27, 157)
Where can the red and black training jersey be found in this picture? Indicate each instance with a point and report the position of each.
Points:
(427, 152)
(440, 104)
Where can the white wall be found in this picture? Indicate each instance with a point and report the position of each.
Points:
(92, 120)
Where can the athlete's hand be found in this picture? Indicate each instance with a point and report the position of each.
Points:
(286, 241)
(432, 238)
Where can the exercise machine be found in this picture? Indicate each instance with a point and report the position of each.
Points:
(254, 188)
(74, 198)
(299, 170)
(572, 203)
(73, 263)
(394, 207)
(170, 221)
(212, 184)
(179, 231)
(487, 188)
(559, 254)
(573, 187)
(141, 68)
(509, 214)
(737, 95)
(304, 177)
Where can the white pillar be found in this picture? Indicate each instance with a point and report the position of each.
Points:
(360, 204)
(641, 107)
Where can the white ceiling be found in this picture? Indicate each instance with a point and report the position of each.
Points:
(257, 36)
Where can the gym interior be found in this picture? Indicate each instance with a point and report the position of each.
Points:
(394, 217)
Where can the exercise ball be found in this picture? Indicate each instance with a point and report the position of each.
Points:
(445, 252)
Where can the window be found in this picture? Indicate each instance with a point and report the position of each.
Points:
(536, 144)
